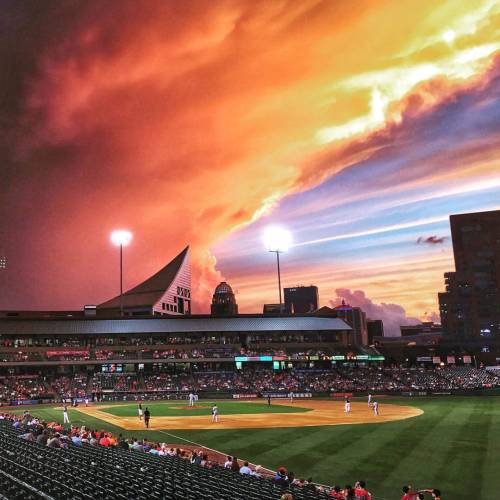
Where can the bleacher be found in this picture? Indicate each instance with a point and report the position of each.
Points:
(31, 471)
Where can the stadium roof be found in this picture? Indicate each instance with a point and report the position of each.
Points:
(151, 290)
(171, 325)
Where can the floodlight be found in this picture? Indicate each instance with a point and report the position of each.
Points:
(277, 239)
(121, 237)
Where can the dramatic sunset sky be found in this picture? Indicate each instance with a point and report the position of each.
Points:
(358, 125)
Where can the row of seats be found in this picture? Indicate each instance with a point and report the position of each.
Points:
(88, 472)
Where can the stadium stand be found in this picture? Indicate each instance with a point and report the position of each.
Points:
(31, 469)
(251, 380)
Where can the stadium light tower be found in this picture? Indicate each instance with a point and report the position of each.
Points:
(121, 238)
(277, 240)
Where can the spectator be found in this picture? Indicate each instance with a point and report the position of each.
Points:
(349, 493)
(408, 494)
(337, 493)
(280, 477)
(257, 471)
(245, 469)
(235, 466)
(54, 442)
(361, 492)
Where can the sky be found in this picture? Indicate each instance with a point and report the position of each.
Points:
(358, 126)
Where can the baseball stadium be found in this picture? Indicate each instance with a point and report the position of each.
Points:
(137, 398)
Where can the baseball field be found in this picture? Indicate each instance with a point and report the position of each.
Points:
(451, 443)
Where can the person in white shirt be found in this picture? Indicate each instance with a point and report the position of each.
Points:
(228, 462)
(215, 413)
(86, 401)
(191, 399)
(245, 469)
(257, 471)
(347, 406)
(65, 415)
(369, 399)
(375, 408)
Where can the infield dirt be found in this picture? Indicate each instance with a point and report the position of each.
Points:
(322, 413)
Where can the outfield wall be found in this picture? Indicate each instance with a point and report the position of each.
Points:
(180, 396)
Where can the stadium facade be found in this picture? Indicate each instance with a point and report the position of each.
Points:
(166, 292)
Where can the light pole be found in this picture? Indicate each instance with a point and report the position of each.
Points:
(277, 240)
(121, 238)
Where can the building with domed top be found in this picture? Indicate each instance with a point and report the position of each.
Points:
(224, 301)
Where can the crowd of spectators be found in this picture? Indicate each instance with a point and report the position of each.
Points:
(340, 379)
(70, 387)
(102, 354)
(167, 382)
(22, 387)
(20, 356)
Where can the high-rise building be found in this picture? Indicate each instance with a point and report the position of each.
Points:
(355, 317)
(375, 328)
(470, 306)
(166, 292)
(223, 301)
(301, 299)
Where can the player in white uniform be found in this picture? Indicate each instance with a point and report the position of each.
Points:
(375, 408)
(215, 413)
(347, 406)
(86, 401)
(290, 395)
(65, 415)
(369, 399)
(139, 411)
(191, 399)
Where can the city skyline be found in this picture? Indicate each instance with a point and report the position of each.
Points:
(358, 129)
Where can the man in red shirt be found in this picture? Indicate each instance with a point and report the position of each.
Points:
(104, 441)
(408, 494)
(361, 492)
(337, 493)
(436, 494)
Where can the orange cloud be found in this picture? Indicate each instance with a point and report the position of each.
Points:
(184, 121)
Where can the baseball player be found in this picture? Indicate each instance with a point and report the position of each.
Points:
(65, 414)
(375, 408)
(347, 405)
(139, 411)
(215, 413)
(191, 399)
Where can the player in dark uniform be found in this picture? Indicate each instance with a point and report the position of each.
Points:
(147, 416)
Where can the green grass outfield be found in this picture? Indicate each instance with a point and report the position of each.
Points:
(454, 446)
(176, 409)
